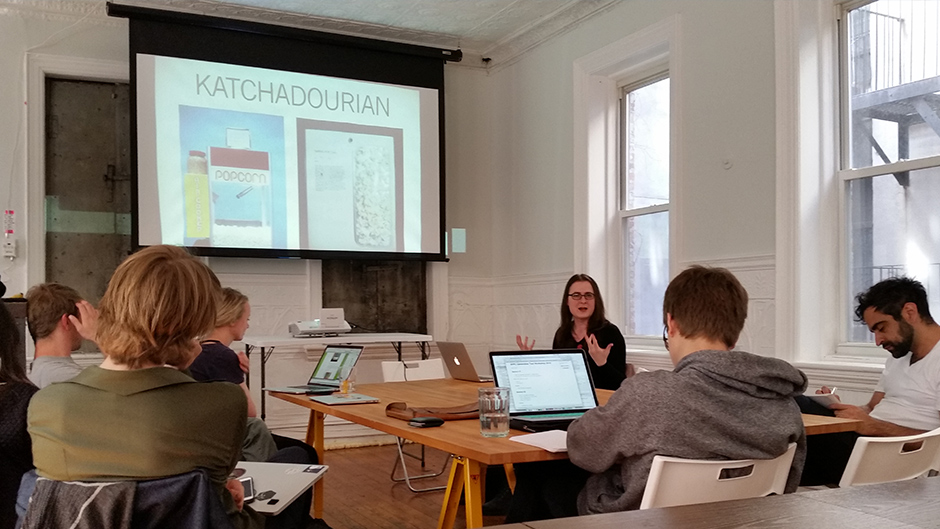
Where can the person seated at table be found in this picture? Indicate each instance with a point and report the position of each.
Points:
(218, 362)
(16, 457)
(584, 326)
(906, 400)
(58, 318)
(136, 416)
(718, 403)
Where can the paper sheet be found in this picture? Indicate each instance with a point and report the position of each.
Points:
(551, 440)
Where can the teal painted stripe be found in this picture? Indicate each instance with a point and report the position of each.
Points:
(64, 221)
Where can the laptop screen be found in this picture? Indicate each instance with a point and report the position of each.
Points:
(330, 367)
(545, 381)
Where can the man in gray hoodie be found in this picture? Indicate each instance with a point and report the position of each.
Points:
(717, 404)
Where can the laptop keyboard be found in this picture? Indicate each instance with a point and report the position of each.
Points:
(550, 416)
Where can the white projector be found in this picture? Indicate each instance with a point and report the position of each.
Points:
(330, 323)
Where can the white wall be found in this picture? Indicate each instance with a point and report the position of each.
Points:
(22, 31)
(726, 214)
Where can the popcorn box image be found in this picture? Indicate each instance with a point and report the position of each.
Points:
(240, 182)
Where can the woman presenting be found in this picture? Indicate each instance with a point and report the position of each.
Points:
(583, 326)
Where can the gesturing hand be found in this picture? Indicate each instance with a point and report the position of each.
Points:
(87, 322)
(524, 343)
(597, 353)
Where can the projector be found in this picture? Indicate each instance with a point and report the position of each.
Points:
(330, 323)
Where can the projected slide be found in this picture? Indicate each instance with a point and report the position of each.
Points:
(238, 157)
(352, 178)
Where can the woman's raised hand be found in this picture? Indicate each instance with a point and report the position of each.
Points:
(524, 344)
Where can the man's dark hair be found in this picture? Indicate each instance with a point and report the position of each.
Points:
(889, 297)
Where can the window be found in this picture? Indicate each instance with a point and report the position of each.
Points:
(890, 167)
(644, 203)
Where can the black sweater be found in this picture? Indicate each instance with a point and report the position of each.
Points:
(611, 374)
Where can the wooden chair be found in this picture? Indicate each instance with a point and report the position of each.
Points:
(677, 481)
(887, 459)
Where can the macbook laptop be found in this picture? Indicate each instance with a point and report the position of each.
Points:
(327, 376)
(547, 389)
(458, 362)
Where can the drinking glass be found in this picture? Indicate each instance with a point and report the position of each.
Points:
(348, 377)
(494, 412)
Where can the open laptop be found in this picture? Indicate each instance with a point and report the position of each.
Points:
(547, 389)
(327, 376)
(458, 362)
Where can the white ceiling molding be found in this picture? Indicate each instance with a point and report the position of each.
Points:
(500, 30)
(509, 49)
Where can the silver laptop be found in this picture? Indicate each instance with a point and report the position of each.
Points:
(547, 389)
(458, 362)
(328, 375)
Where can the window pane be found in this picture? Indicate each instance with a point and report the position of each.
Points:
(646, 146)
(894, 81)
(894, 229)
(646, 272)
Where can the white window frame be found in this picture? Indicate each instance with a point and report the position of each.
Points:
(847, 349)
(597, 233)
(810, 232)
(624, 87)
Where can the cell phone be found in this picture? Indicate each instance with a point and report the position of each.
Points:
(425, 422)
(249, 485)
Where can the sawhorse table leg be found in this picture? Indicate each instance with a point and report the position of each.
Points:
(464, 479)
(315, 439)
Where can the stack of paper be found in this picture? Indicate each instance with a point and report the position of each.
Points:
(551, 440)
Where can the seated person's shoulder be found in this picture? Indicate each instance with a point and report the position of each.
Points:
(217, 362)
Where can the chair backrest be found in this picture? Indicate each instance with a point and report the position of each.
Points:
(187, 500)
(676, 481)
(393, 371)
(887, 459)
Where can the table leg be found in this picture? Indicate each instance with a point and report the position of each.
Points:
(452, 494)
(262, 383)
(510, 476)
(464, 478)
(315, 433)
(473, 494)
(248, 349)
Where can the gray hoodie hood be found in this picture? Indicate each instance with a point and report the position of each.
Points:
(758, 376)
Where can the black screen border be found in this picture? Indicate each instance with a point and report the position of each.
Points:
(216, 39)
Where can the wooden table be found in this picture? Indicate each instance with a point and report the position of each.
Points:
(903, 505)
(820, 424)
(461, 438)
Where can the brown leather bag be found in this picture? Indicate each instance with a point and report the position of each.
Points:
(400, 410)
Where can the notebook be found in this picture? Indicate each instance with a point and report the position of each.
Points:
(458, 362)
(547, 389)
(327, 376)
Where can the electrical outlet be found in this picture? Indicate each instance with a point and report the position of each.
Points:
(9, 248)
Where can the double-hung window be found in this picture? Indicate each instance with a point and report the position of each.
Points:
(644, 203)
(890, 166)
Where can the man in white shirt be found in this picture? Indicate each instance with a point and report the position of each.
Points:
(58, 319)
(907, 398)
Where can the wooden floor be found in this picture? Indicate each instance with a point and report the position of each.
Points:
(360, 495)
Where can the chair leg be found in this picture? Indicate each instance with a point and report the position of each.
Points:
(408, 479)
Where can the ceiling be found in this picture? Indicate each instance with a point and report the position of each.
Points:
(500, 30)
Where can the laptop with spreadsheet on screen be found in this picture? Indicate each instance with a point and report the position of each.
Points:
(547, 389)
(328, 375)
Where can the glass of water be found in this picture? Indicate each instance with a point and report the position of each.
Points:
(494, 412)
(348, 377)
